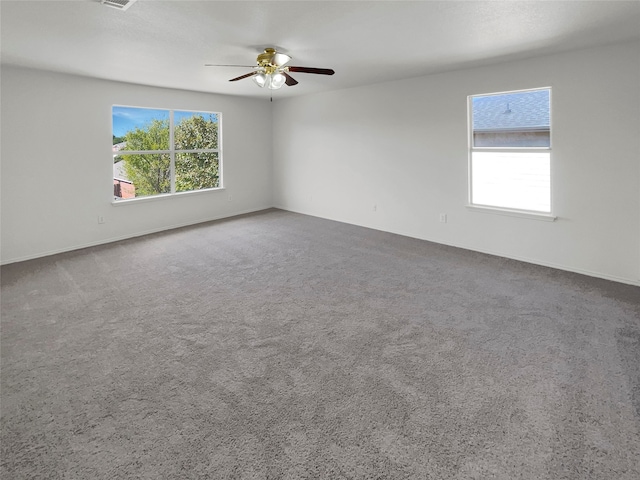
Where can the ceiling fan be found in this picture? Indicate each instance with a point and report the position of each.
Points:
(272, 70)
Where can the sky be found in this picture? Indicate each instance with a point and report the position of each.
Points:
(128, 118)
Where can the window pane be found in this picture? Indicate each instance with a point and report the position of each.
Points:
(195, 130)
(196, 171)
(140, 128)
(518, 119)
(141, 175)
(512, 180)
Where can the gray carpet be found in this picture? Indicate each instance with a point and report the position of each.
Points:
(282, 346)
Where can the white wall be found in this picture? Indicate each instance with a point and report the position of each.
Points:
(57, 162)
(402, 146)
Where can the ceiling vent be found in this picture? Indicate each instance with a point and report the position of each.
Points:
(119, 4)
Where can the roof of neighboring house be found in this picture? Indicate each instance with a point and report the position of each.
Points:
(119, 173)
(119, 146)
(519, 110)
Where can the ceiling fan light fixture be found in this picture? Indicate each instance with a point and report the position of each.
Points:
(277, 81)
(270, 70)
(261, 79)
(280, 59)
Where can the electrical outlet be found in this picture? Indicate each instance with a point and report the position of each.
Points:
(443, 218)
(100, 219)
(375, 208)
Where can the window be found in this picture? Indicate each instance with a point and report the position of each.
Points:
(163, 152)
(510, 150)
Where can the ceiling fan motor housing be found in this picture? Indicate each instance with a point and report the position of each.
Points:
(271, 58)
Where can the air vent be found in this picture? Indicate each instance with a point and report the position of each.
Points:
(119, 4)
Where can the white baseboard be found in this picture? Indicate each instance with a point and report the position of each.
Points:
(589, 273)
(125, 237)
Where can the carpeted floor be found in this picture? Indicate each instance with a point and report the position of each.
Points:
(282, 346)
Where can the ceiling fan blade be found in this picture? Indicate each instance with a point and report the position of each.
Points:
(319, 71)
(243, 76)
(290, 81)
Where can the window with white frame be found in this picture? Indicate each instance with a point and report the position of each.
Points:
(510, 150)
(163, 152)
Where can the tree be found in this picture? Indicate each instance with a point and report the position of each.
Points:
(151, 172)
(195, 171)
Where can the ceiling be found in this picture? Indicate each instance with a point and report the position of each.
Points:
(167, 43)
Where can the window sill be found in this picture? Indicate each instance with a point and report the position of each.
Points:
(546, 217)
(154, 198)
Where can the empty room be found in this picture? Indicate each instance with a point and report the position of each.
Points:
(320, 240)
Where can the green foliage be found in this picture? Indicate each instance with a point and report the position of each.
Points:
(155, 136)
(150, 173)
(117, 139)
(195, 171)
(197, 133)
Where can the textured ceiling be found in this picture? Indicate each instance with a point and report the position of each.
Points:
(167, 43)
